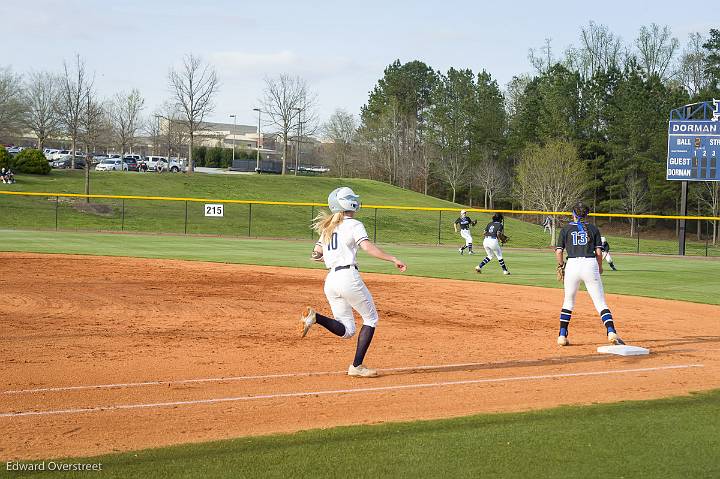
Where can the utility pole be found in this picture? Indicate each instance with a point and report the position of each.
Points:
(234, 117)
(259, 145)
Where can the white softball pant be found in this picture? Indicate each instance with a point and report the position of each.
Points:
(492, 247)
(607, 257)
(345, 291)
(468, 237)
(587, 271)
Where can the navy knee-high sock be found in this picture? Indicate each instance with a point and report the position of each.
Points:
(332, 325)
(607, 319)
(565, 315)
(364, 339)
(502, 264)
(485, 261)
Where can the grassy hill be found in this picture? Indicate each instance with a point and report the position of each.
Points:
(388, 226)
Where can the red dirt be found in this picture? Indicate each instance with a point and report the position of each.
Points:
(79, 321)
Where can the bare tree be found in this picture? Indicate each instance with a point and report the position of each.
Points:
(492, 178)
(656, 48)
(74, 89)
(41, 96)
(93, 122)
(194, 87)
(125, 116)
(543, 60)
(634, 199)
(551, 178)
(599, 50)
(284, 99)
(12, 109)
(341, 129)
(453, 168)
(691, 65)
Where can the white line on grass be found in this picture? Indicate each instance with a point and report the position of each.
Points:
(342, 391)
(242, 378)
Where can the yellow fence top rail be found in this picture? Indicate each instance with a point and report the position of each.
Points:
(381, 207)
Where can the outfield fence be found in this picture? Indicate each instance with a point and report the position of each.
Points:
(652, 234)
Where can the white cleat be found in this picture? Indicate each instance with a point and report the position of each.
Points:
(362, 371)
(506, 272)
(478, 269)
(460, 250)
(613, 338)
(563, 341)
(307, 321)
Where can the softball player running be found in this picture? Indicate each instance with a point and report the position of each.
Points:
(465, 222)
(340, 237)
(582, 243)
(606, 253)
(494, 235)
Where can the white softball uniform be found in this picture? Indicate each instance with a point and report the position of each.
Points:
(468, 237)
(492, 247)
(587, 271)
(344, 288)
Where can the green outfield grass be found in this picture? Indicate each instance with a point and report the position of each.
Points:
(669, 438)
(390, 226)
(688, 279)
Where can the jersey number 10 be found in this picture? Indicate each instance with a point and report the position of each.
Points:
(333, 242)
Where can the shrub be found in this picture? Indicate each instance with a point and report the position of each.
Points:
(6, 159)
(32, 162)
(214, 156)
(199, 154)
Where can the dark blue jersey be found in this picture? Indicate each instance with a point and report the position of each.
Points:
(465, 222)
(579, 240)
(492, 229)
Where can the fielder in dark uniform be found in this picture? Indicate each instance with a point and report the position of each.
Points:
(494, 235)
(465, 222)
(606, 253)
(581, 241)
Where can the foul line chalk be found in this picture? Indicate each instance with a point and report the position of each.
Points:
(341, 391)
(234, 378)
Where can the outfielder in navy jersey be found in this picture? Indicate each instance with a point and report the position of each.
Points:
(606, 253)
(494, 235)
(583, 245)
(465, 222)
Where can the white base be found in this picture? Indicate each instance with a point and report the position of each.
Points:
(623, 350)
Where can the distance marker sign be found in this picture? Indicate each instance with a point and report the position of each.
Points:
(693, 150)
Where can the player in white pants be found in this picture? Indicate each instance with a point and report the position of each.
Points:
(581, 241)
(494, 231)
(465, 223)
(340, 237)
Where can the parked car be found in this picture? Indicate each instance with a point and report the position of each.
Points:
(173, 165)
(67, 162)
(14, 150)
(59, 155)
(130, 163)
(111, 164)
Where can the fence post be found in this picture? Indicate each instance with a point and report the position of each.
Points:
(439, 226)
(312, 216)
(375, 228)
(186, 216)
(249, 218)
(122, 223)
(57, 204)
(638, 238)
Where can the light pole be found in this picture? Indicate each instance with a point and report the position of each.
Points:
(257, 161)
(234, 117)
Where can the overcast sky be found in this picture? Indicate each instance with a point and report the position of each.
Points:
(340, 48)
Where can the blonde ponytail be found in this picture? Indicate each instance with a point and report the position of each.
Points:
(325, 223)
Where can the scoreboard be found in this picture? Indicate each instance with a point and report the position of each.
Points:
(693, 150)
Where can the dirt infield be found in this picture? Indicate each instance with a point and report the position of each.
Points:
(111, 354)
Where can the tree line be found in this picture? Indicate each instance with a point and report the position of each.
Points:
(590, 123)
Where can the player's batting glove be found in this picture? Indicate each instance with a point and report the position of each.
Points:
(560, 272)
